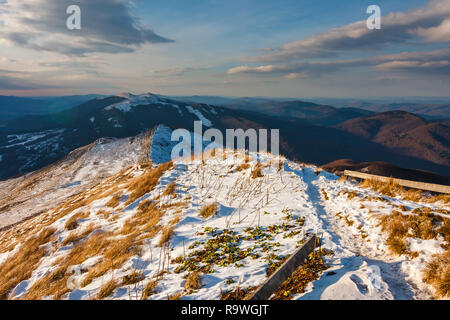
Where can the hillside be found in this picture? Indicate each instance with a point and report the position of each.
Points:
(287, 109)
(404, 133)
(201, 228)
(16, 107)
(33, 142)
(427, 108)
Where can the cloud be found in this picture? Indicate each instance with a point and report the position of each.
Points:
(108, 26)
(428, 62)
(297, 70)
(247, 69)
(440, 33)
(175, 72)
(429, 23)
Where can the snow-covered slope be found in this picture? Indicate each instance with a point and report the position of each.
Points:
(36, 192)
(140, 233)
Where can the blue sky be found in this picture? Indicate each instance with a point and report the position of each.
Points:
(288, 48)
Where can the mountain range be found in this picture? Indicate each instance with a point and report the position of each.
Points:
(309, 132)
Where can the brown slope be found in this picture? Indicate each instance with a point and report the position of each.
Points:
(404, 133)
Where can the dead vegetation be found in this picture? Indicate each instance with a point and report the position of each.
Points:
(149, 289)
(242, 167)
(132, 278)
(390, 188)
(114, 256)
(176, 296)
(257, 171)
(209, 210)
(74, 237)
(393, 189)
(325, 194)
(107, 289)
(112, 248)
(20, 266)
(166, 235)
(114, 202)
(238, 294)
(72, 222)
(193, 281)
(437, 273)
(170, 190)
(421, 224)
(145, 183)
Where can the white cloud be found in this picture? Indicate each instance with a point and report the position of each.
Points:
(429, 22)
(431, 62)
(107, 26)
(440, 33)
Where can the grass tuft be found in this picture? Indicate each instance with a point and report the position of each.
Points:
(193, 281)
(209, 210)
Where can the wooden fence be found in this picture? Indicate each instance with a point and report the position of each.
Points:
(285, 270)
(404, 183)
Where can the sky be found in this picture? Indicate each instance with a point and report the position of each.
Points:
(285, 48)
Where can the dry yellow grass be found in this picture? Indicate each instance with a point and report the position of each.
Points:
(132, 278)
(257, 171)
(107, 289)
(75, 237)
(437, 273)
(325, 194)
(348, 221)
(55, 283)
(241, 167)
(145, 183)
(422, 224)
(72, 222)
(166, 235)
(170, 190)
(114, 251)
(114, 202)
(209, 210)
(390, 188)
(445, 198)
(149, 289)
(193, 281)
(21, 265)
(176, 296)
(115, 254)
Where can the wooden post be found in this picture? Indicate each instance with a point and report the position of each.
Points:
(285, 270)
(259, 217)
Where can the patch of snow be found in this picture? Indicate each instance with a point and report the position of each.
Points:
(200, 116)
(135, 100)
(178, 109)
(22, 139)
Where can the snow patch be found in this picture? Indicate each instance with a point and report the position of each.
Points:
(200, 116)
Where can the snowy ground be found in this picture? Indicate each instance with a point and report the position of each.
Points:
(298, 197)
(36, 192)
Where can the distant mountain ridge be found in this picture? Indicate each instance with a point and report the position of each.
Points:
(405, 133)
(32, 142)
(15, 107)
(288, 109)
(430, 109)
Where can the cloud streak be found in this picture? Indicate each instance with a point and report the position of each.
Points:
(107, 26)
(429, 23)
(428, 62)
